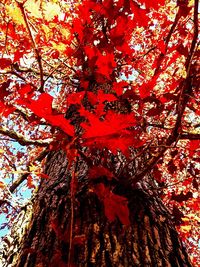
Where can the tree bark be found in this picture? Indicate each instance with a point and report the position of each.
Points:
(75, 232)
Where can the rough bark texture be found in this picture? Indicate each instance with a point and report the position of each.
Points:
(150, 240)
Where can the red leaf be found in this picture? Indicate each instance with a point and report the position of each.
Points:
(154, 111)
(102, 97)
(178, 215)
(112, 124)
(157, 175)
(119, 87)
(130, 94)
(17, 55)
(3, 91)
(181, 165)
(43, 175)
(5, 63)
(92, 98)
(182, 50)
(42, 107)
(121, 141)
(117, 32)
(106, 64)
(30, 183)
(184, 10)
(140, 17)
(187, 182)
(162, 46)
(195, 184)
(25, 90)
(6, 110)
(171, 167)
(153, 3)
(115, 206)
(194, 145)
(98, 171)
(75, 98)
(174, 153)
(147, 88)
(91, 51)
(169, 96)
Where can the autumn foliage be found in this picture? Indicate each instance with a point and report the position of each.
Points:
(103, 80)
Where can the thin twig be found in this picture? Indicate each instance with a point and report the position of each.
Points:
(37, 54)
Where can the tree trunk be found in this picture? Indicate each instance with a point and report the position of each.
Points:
(66, 232)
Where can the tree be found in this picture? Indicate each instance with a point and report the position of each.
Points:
(103, 95)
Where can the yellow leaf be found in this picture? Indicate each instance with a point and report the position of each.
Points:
(193, 216)
(15, 14)
(59, 47)
(2, 151)
(47, 31)
(185, 219)
(191, 3)
(186, 228)
(65, 32)
(184, 74)
(51, 10)
(32, 168)
(33, 7)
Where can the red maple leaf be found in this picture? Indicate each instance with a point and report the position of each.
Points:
(112, 124)
(153, 3)
(115, 206)
(5, 63)
(140, 17)
(75, 98)
(5, 109)
(97, 171)
(146, 88)
(42, 107)
(105, 64)
(3, 91)
(119, 87)
(116, 142)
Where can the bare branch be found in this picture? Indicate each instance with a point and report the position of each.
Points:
(24, 176)
(161, 56)
(37, 54)
(22, 140)
(190, 136)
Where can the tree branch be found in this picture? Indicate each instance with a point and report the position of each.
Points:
(22, 140)
(161, 56)
(24, 176)
(37, 54)
(189, 136)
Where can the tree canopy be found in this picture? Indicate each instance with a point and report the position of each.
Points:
(102, 80)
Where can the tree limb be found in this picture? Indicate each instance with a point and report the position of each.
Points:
(24, 176)
(190, 136)
(37, 54)
(22, 140)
